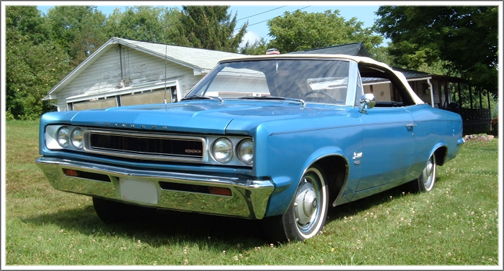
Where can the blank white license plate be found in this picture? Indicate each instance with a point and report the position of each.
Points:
(138, 190)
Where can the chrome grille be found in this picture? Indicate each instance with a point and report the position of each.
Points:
(146, 146)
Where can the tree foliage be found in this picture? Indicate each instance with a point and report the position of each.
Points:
(463, 38)
(209, 27)
(78, 30)
(27, 21)
(34, 63)
(301, 30)
(144, 23)
(259, 47)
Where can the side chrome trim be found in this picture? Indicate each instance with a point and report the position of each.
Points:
(249, 197)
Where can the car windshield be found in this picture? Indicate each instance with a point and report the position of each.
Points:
(319, 81)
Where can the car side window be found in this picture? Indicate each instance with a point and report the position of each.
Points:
(383, 86)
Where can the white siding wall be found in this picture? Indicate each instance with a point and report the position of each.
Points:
(100, 76)
(103, 76)
(187, 83)
(144, 68)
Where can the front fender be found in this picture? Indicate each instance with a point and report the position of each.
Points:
(285, 187)
(322, 153)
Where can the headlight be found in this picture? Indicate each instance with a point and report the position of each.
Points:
(76, 138)
(63, 136)
(222, 150)
(245, 151)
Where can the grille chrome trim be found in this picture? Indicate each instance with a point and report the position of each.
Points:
(125, 150)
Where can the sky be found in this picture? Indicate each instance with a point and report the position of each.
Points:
(256, 13)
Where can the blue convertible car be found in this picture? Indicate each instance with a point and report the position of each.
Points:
(278, 138)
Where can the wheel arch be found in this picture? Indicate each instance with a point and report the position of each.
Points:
(440, 151)
(335, 168)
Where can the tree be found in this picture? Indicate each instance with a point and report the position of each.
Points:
(27, 21)
(209, 27)
(463, 38)
(258, 48)
(34, 63)
(301, 30)
(144, 23)
(78, 29)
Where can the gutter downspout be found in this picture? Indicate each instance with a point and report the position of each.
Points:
(120, 61)
(431, 92)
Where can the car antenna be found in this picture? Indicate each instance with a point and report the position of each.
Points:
(166, 55)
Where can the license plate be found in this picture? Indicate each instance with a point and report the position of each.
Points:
(138, 190)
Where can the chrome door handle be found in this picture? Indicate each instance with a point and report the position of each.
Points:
(410, 125)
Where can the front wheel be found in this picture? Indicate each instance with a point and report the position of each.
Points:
(307, 212)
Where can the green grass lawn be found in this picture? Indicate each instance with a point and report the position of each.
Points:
(456, 224)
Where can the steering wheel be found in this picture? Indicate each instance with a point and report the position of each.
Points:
(320, 92)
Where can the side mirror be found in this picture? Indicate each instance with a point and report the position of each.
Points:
(367, 101)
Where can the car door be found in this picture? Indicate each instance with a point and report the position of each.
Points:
(387, 147)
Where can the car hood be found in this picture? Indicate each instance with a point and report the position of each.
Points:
(199, 117)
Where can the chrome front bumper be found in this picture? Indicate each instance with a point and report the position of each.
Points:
(249, 198)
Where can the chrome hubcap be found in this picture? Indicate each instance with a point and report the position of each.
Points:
(306, 204)
(428, 173)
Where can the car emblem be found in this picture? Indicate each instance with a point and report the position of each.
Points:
(192, 151)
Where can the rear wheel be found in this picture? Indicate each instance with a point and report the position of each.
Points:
(114, 212)
(307, 212)
(427, 178)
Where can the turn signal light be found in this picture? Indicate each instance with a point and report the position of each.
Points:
(70, 172)
(219, 191)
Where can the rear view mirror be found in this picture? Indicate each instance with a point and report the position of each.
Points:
(367, 101)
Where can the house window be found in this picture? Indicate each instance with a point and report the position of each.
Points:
(98, 103)
(154, 96)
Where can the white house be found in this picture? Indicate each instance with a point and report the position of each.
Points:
(127, 72)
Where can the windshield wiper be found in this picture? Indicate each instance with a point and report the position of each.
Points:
(262, 98)
(203, 98)
(273, 98)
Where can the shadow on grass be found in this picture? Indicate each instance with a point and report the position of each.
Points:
(172, 227)
(355, 207)
(165, 227)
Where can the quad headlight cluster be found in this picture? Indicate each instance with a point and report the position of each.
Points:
(223, 150)
(64, 137)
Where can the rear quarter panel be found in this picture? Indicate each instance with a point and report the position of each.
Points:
(435, 128)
